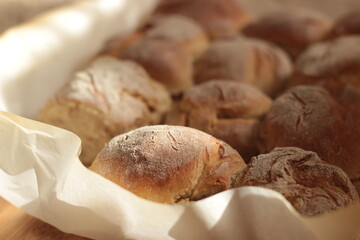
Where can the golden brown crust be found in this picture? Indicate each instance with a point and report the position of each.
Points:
(291, 29)
(245, 60)
(228, 110)
(107, 98)
(347, 24)
(219, 18)
(166, 61)
(311, 185)
(169, 164)
(180, 29)
(308, 117)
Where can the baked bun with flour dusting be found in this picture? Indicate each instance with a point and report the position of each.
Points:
(308, 117)
(169, 164)
(107, 98)
(311, 185)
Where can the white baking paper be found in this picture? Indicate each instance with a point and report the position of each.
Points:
(40, 171)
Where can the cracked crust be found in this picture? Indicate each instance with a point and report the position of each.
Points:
(311, 185)
(308, 117)
(108, 98)
(245, 60)
(169, 164)
(228, 110)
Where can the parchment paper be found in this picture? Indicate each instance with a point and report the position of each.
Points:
(39, 167)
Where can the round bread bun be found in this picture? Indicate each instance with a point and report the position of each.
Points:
(166, 61)
(311, 185)
(105, 99)
(169, 164)
(291, 29)
(228, 110)
(219, 18)
(245, 60)
(334, 65)
(308, 117)
(180, 29)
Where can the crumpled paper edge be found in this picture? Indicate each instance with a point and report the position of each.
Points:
(51, 195)
(78, 201)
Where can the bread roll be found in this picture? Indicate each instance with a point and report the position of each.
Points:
(311, 185)
(334, 65)
(166, 61)
(245, 60)
(219, 18)
(347, 24)
(180, 29)
(291, 29)
(169, 164)
(108, 98)
(228, 110)
(308, 117)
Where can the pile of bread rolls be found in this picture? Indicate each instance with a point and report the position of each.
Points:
(205, 97)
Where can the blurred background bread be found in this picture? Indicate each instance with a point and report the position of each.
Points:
(180, 29)
(246, 60)
(291, 29)
(166, 61)
(335, 65)
(346, 24)
(219, 18)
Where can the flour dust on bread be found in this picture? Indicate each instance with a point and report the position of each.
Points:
(311, 185)
(107, 98)
(169, 164)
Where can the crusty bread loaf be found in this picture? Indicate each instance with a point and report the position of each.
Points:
(245, 60)
(169, 164)
(219, 18)
(311, 185)
(108, 98)
(228, 110)
(309, 117)
(180, 29)
(166, 61)
(347, 24)
(291, 29)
